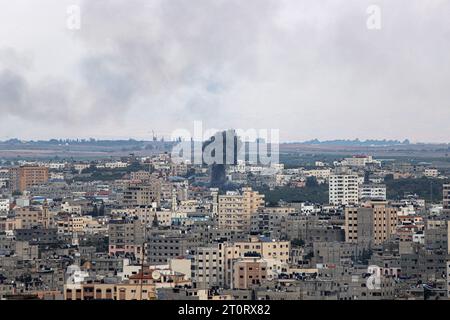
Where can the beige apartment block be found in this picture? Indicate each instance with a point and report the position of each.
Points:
(236, 209)
(261, 248)
(249, 273)
(21, 178)
(29, 217)
(102, 291)
(373, 223)
(137, 194)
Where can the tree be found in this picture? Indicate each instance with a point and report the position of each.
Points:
(311, 182)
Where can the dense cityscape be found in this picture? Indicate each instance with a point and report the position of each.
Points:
(327, 227)
(212, 159)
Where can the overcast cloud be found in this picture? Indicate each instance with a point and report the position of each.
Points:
(310, 68)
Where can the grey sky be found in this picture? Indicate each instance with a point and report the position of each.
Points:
(310, 68)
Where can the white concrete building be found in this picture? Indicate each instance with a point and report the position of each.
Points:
(431, 173)
(359, 161)
(56, 165)
(81, 166)
(318, 173)
(343, 189)
(372, 192)
(116, 165)
(4, 205)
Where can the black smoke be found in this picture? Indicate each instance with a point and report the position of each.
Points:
(231, 144)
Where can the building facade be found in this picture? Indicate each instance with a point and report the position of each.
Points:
(343, 189)
(236, 211)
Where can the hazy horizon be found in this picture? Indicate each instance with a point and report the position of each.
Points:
(168, 139)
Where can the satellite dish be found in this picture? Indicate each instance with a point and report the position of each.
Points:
(156, 275)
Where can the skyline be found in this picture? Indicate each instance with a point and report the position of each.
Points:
(167, 138)
(310, 70)
(224, 157)
(157, 138)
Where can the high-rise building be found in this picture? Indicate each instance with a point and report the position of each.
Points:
(237, 210)
(446, 198)
(343, 189)
(22, 178)
(207, 267)
(371, 224)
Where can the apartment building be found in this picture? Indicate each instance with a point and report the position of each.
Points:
(137, 194)
(140, 175)
(126, 236)
(269, 220)
(311, 229)
(265, 247)
(359, 161)
(4, 206)
(4, 177)
(9, 224)
(372, 192)
(320, 174)
(249, 273)
(337, 253)
(446, 198)
(37, 235)
(25, 177)
(71, 207)
(237, 209)
(207, 267)
(256, 247)
(152, 215)
(436, 235)
(29, 216)
(343, 189)
(371, 224)
(163, 246)
(431, 173)
(133, 290)
(69, 224)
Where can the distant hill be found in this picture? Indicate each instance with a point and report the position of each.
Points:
(357, 142)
